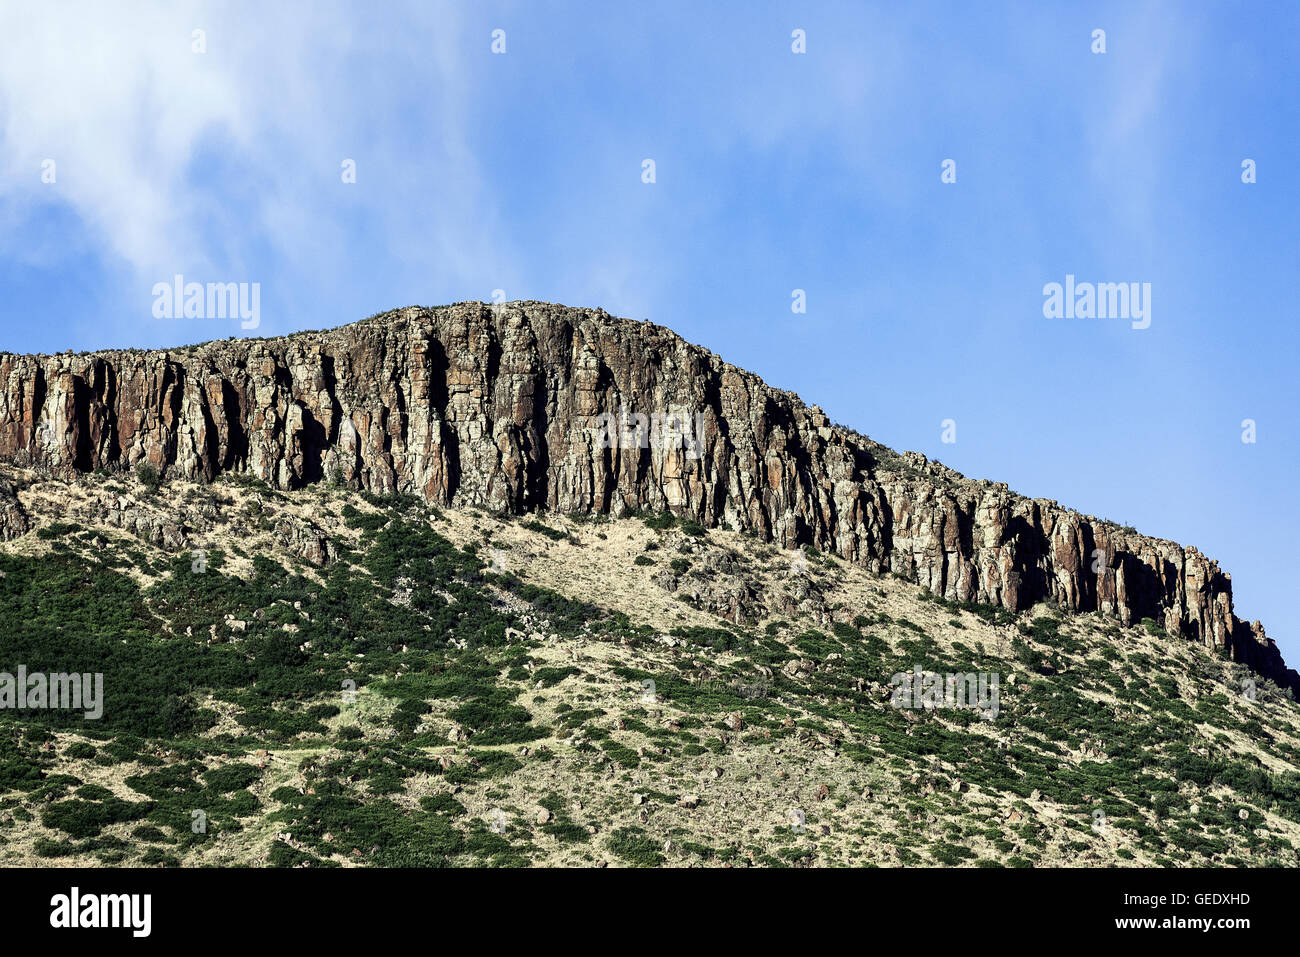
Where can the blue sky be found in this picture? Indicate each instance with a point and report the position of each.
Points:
(775, 171)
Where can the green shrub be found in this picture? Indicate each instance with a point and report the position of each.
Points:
(149, 477)
(633, 845)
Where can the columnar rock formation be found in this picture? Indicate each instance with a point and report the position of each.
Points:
(503, 407)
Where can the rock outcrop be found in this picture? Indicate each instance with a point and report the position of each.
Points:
(14, 522)
(509, 408)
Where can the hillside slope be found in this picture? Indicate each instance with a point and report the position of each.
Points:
(331, 677)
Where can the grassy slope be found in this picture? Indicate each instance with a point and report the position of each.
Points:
(502, 712)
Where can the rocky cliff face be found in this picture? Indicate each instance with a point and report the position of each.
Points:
(509, 408)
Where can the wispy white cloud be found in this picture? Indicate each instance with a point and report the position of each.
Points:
(229, 159)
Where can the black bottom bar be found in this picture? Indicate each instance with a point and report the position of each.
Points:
(333, 907)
